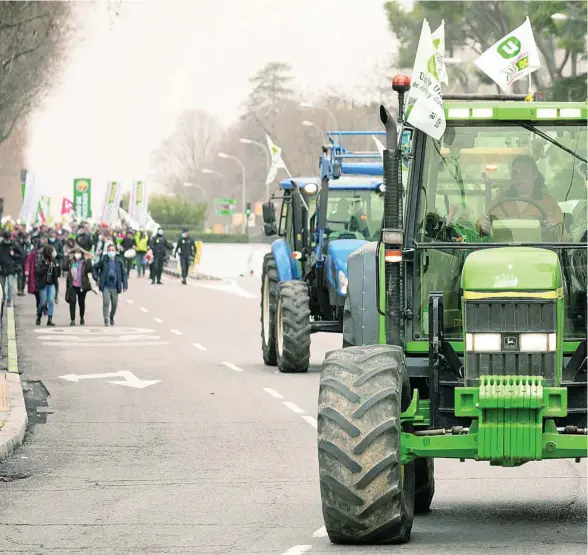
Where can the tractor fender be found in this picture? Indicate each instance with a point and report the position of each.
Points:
(362, 274)
(337, 256)
(287, 267)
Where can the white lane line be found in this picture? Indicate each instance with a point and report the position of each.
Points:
(311, 421)
(198, 346)
(129, 301)
(320, 533)
(233, 367)
(273, 392)
(293, 407)
(143, 309)
(177, 332)
(158, 320)
(297, 550)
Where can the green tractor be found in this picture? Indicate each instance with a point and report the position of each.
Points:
(469, 318)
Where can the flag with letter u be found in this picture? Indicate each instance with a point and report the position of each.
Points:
(511, 58)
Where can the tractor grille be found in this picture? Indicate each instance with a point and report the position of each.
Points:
(510, 318)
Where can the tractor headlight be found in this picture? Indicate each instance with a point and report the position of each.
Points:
(537, 342)
(310, 188)
(483, 342)
(343, 282)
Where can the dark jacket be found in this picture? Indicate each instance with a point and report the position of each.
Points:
(58, 246)
(127, 243)
(187, 247)
(86, 273)
(46, 272)
(84, 240)
(10, 258)
(158, 245)
(100, 271)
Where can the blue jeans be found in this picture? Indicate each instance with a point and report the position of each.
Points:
(47, 297)
(7, 283)
(140, 261)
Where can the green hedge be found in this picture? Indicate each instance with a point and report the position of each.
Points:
(173, 234)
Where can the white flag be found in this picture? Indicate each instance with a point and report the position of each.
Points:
(277, 162)
(424, 98)
(379, 146)
(439, 44)
(512, 57)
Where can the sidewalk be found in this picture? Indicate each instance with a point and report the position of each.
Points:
(13, 414)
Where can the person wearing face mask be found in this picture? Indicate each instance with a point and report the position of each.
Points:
(59, 255)
(187, 249)
(111, 276)
(127, 245)
(158, 245)
(78, 269)
(141, 247)
(46, 273)
(26, 246)
(10, 258)
(83, 238)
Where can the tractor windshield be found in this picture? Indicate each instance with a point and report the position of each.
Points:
(487, 185)
(356, 213)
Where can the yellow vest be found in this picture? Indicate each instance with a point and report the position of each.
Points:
(141, 243)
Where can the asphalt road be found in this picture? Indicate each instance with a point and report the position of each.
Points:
(219, 456)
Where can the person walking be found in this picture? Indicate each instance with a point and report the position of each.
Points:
(127, 247)
(158, 246)
(187, 248)
(10, 259)
(59, 255)
(111, 276)
(26, 247)
(141, 248)
(77, 283)
(46, 273)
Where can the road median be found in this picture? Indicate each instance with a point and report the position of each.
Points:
(13, 414)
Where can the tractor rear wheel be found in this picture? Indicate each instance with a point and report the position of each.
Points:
(367, 495)
(293, 326)
(269, 290)
(424, 489)
(348, 332)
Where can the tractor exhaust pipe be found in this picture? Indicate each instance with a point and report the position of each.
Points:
(392, 233)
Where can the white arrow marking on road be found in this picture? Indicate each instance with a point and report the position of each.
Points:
(143, 309)
(273, 392)
(158, 320)
(233, 367)
(198, 346)
(311, 421)
(129, 301)
(105, 344)
(297, 550)
(130, 379)
(133, 381)
(177, 332)
(320, 533)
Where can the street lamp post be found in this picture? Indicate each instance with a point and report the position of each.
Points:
(267, 158)
(324, 108)
(243, 184)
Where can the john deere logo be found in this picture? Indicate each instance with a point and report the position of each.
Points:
(510, 343)
(82, 186)
(509, 48)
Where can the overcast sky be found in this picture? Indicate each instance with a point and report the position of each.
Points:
(127, 80)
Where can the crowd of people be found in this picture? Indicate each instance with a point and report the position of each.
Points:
(35, 259)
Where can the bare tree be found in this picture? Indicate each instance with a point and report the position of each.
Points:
(32, 40)
(192, 146)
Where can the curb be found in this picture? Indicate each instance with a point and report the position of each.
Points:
(197, 277)
(13, 413)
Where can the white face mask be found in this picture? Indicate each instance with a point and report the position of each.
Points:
(111, 254)
(77, 255)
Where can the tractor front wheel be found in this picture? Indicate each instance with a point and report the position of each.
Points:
(269, 290)
(424, 490)
(367, 494)
(348, 331)
(293, 326)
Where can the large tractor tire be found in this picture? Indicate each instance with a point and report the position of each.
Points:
(269, 291)
(424, 489)
(293, 326)
(367, 495)
(348, 331)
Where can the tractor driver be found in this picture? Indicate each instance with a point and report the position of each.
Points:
(351, 216)
(526, 183)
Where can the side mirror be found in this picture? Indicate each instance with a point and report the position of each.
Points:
(270, 229)
(269, 213)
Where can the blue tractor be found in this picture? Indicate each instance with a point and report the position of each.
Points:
(321, 222)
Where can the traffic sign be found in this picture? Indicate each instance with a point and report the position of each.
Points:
(225, 206)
